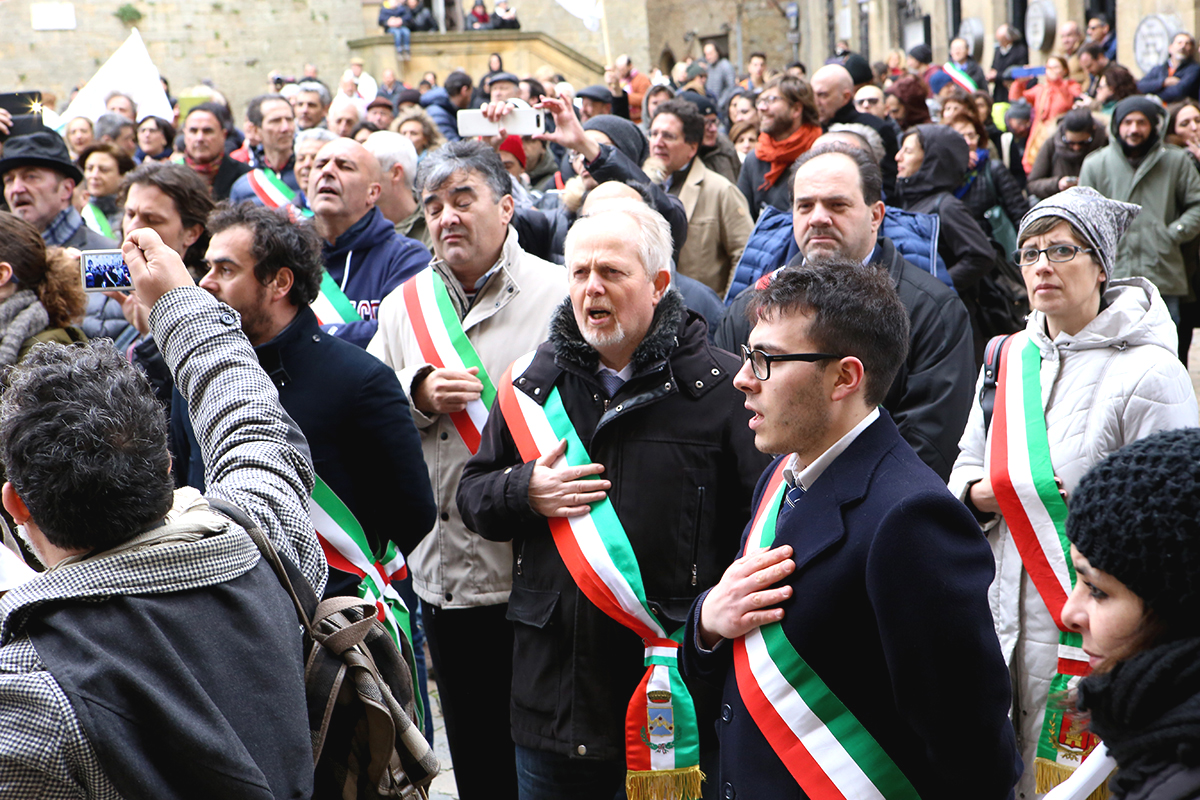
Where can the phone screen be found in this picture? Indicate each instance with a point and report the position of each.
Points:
(105, 271)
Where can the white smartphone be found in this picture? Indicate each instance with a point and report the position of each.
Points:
(518, 122)
(104, 271)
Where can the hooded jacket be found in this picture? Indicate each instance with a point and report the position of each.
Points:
(962, 244)
(436, 103)
(675, 443)
(1115, 381)
(1167, 187)
(368, 261)
(1057, 160)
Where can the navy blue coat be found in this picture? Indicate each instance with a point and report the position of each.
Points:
(378, 260)
(889, 607)
(1188, 86)
(355, 417)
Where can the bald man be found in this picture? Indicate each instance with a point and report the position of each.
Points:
(833, 89)
(364, 255)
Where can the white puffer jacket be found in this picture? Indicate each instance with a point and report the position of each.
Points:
(1115, 381)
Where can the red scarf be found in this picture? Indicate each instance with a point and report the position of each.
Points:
(207, 171)
(782, 153)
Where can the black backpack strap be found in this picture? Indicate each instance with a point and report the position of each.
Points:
(297, 586)
(991, 371)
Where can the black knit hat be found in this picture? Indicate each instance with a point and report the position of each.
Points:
(1136, 516)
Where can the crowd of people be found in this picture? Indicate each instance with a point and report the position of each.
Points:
(762, 433)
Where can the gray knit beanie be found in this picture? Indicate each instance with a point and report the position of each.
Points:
(1101, 221)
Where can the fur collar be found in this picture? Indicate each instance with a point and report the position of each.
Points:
(660, 340)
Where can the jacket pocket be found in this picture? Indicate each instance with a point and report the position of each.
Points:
(537, 672)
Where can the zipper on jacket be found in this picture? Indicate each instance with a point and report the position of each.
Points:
(696, 537)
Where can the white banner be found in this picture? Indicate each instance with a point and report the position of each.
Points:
(130, 71)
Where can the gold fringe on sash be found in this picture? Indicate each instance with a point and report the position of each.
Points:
(1050, 774)
(666, 784)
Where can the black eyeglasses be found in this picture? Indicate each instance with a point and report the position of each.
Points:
(1058, 253)
(760, 362)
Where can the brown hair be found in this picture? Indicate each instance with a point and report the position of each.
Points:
(124, 162)
(740, 128)
(974, 122)
(911, 91)
(49, 272)
(797, 91)
(433, 135)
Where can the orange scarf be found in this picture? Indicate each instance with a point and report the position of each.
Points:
(781, 154)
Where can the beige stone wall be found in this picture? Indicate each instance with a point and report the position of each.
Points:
(234, 43)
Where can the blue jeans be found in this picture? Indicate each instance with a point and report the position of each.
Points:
(542, 775)
(402, 36)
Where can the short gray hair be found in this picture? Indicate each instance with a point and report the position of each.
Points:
(464, 156)
(865, 132)
(110, 125)
(654, 244)
(319, 89)
(392, 149)
(320, 134)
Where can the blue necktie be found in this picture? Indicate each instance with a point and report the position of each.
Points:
(611, 382)
(793, 495)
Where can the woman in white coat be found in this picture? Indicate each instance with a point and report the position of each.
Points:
(1094, 369)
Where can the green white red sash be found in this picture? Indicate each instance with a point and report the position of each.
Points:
(959, 76)
(331, 304)
(346, 548)
(1022, 475)
(662, 745)
(272, 191)
(94, 218)
(445, 345)
(825, 748)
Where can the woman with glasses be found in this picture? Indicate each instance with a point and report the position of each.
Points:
(1094, 369)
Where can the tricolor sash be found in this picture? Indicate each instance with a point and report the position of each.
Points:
(825, 748)
(662, 742)
(331, 304)
(445, 345)
(272, 191)
(346, 548)
(94, 218)
(959, 76)
(1018, 462)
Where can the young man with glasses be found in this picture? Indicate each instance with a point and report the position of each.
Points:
(851, 534)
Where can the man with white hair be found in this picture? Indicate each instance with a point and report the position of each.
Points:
(659, 460)
(343, 115)
(398, 166)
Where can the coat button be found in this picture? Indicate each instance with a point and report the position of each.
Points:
(699, 384)
(667, 385)
(537, 390)
(521, 381)
(449, 596)
(619, 407)
(728, 791)
(582, 750)
(316, 337)
(445, 517)
(726, 712)
(507, 470)
(445, 436)
(716, 371)
(227, 318)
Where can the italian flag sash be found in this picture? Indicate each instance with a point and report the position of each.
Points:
(1018, 462)
(331, 304)
(959, 76)
(346, 548)
(662, 743)
(825, 748)
(272, 191)
(445, 345)
(94, 218)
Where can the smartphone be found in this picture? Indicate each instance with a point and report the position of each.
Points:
(518, 122)
(25, 109)
(105, 271)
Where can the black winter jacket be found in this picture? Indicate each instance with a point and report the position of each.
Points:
(962, 244)
(751, 177)
(674, 442)
(930, 397)
(1002, 189)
